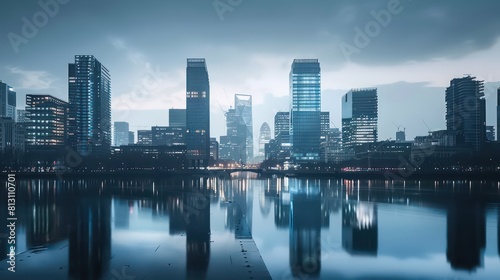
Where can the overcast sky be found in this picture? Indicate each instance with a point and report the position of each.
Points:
(410, 50)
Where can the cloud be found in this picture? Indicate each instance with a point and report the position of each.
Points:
(32, 80)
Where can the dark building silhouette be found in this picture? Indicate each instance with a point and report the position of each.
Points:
(243, 109)
(305, 109)
(89, 84)
(168, 136)
(359, 117)
(197, 113)
(121, 134)
(177, 118)
(466, 111)
(90, 235)
(466, 234)
(359, 228)
(131, 138)
(305, 229)
(498, 114)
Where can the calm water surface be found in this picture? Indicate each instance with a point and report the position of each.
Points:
(191, 228)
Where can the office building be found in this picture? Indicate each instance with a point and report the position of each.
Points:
(197, 113)
(214, 149)
(325, 126)
(177, 118)
(144, 138)
(264, 138)
(21, 116)
(400, 136)
(7, 101)
(121, 134)
(305, 109)
(131, 138)
(233, 145)
(466, 111)
(48, 126)
(168, 136)
(359, 117)
(89, 84)
(243, 108)
(281, 123)
(12, 136)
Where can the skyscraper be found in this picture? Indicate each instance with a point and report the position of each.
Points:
(131, 138)
(121, 134)
(89, 85)
(305, 109)
(7, 101)
(325, 125)
(48, 126)
(466, 111)
(359, 117)
(264, 138)
(281, 123)
(197, 113)
(144, 137)
(490, 133)
(243, 107)
(233, 145)
(177, 117)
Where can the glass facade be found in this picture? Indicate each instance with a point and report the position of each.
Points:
(177, 118)
(48, 120)
(466, 111)
(305, 109)
(243, 107)
(359, 117)
(121, 136)
(89, 85)
(197, 113)
(7, 101)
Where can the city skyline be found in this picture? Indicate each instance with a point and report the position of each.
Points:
(411, 70)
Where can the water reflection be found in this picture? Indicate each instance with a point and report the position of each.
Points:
(327, 227)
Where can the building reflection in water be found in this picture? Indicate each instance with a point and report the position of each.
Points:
(466, 233)
(498, 226)
(237, 199)
(305, 228)
(90, 232)
(4, 231)
(198, 230)
(359, 228)
(281, 204)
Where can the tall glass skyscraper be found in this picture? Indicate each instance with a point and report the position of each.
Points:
(305, 109)
(7, 101)
(121, 130)
(243, 107)
(197, 113)
(359, 117)
(466, 111)
(89, 85)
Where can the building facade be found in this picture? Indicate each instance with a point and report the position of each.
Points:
(466, 111)
(121, 136)
(144, 138)
(89, 84)
(305, 109)
(264, 138)
(177, 117)
(197, 113)
(243, 108)
(47, 128)
(359, 117)
(168, 136)
(7, 101)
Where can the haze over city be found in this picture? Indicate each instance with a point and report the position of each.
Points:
(249, 47)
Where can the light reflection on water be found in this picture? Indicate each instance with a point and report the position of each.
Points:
(303, 228)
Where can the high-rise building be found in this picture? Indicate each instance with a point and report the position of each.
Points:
(281, 123)
(243, 107)
(168, 136)
(144, 138)
(12, 136)
(490, 133)
(305, 109)
(21, 116)
(177, 117)
(498, 114)
(131, 138)
(214, 148)
(466, 111)
(121, 134)
(7, 101)
(89, 86)
(325, 125)
(233, 145)
(400, 136)
(264, 138)
(359, 117)
(47, 128)
(197, 113)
